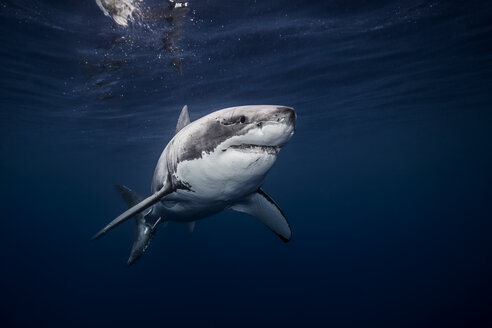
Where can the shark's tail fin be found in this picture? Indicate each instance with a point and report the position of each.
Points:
(145, 228)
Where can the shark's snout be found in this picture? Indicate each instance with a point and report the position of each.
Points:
(286, 115)
(291, 117)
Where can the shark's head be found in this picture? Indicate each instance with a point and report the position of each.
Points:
(259, 129)
(236, 144)
(253, 129)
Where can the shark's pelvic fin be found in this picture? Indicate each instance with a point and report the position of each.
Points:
(141, 206)
(262, 207)
(184, 119)
(190, 226)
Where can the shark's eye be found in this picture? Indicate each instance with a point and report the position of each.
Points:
(242, 119)
(259, 124)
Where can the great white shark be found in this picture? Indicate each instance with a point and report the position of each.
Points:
(217, 162)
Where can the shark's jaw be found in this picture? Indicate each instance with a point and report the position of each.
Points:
(263, 137)
(250, 148)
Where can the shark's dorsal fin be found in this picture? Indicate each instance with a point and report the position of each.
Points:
(262, 207)
(183, 120)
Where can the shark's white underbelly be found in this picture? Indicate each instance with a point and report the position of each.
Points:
(215, 181)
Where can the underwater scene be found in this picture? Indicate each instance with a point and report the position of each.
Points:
(276, 163)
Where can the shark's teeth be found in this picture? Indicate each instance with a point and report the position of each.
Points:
(249, 147)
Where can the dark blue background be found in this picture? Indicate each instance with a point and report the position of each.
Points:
(387, 182)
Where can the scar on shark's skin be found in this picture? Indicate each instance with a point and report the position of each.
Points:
(217, 162)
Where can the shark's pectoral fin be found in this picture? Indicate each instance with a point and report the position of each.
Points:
(262, 207)
(143, 205)
(190, 226)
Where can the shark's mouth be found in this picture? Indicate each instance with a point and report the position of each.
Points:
(256, 148)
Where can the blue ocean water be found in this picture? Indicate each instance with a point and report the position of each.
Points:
(386, 183)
